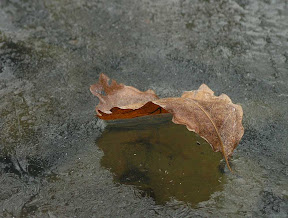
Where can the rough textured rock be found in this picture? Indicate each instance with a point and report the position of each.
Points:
(52, 51)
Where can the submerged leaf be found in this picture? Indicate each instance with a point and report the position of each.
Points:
(214, 118)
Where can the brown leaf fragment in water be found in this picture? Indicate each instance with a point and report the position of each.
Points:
(214, 118)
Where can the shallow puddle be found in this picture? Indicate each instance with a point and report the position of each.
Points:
(162, 159)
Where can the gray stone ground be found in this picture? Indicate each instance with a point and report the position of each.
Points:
(51, 51)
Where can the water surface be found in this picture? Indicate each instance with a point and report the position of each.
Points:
(162, 159)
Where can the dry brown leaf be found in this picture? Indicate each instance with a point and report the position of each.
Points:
(214, 118)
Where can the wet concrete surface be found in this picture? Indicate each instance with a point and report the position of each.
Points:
(52, 51)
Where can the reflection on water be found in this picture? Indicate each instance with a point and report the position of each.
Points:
(162, 159)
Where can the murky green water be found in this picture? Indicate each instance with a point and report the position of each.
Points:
(162, 159)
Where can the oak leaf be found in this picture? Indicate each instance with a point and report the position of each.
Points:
(214, 118)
